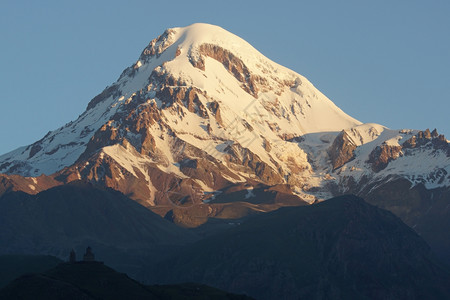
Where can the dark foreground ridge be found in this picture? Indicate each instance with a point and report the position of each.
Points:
(342, 248)
(94, 280)
(125, 234)
(13, 266)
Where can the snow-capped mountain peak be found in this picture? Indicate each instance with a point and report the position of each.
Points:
(201, 105)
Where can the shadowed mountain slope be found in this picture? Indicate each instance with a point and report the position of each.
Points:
(342, 248)
(13, 266)
(76, 215)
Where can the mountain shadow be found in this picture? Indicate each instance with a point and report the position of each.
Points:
(342, 248)
(125, 234)
(12, 266)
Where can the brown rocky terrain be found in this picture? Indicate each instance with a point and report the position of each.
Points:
(342, 150)
(380, 157)
(30, 185)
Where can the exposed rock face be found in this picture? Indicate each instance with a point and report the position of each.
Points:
(380, 157)
(128, 127)
(30, 185)
(35, 148)
(342, 150)
(250, 162)
(267, 145)
(215, 109)
(232, 63)
(188, 97)
(149, 187)
(425, 139)
(157, 46)
(112, 90)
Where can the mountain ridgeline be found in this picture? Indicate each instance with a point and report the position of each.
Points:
(203, 133)
(78, 214)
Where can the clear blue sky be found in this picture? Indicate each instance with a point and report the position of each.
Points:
(386, 62)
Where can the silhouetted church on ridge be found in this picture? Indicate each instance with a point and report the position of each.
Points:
(87, 257)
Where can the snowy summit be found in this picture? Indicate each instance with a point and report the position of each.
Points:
(200, 97)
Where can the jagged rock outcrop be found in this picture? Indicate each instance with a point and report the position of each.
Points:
(250, 162)
(233, 64)
(189, 97)
(426, 139)
(111, 91)
(342, 150)
(215, 109)
(380, 157)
